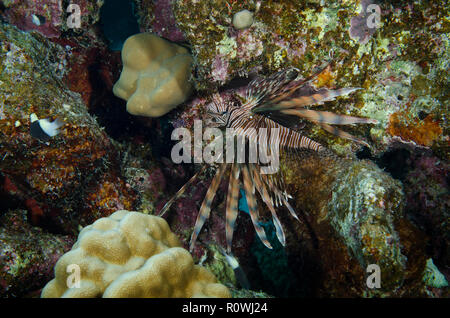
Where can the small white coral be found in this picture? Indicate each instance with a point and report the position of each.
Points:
(242, 19)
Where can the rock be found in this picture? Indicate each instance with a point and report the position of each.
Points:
(28, 254)
(72, 179)
(354, 217)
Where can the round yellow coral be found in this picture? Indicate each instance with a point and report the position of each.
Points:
(130, 254)
(155, 75)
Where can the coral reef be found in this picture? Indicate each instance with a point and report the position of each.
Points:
(91, 72)
(360, 30)
(353, 213)
(130, 254)
(155, 75)
(158, 17)
(403, 70)
(150, 183)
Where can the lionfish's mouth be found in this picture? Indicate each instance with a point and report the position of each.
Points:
(212, 121)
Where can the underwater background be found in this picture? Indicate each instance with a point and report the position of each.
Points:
(71, 153)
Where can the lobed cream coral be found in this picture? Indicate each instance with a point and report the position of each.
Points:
(131, 254)
(155, 75)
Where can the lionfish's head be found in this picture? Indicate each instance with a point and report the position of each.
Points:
(218, 112)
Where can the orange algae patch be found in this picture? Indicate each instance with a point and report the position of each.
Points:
(57, 166)
(326, 78)
(107, 195)
(422, 132)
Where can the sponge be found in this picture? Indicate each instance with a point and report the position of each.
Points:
(130, 254)
(155, 75)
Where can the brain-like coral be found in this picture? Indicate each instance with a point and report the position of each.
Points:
(155, 75)
(131, 254)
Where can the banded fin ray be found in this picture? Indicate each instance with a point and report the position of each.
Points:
(266, 199)
(340, 133)
(205, 208)
(314, 97)
(284, 82)
(180, 192)
(282, 198)
(232, 204)
(252, 208)
(328, 117)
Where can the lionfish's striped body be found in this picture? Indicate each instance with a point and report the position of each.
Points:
(274, 102)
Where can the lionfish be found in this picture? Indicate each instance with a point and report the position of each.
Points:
(277, 101)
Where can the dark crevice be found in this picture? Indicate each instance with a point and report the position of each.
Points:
(396, 162)
(118, 21)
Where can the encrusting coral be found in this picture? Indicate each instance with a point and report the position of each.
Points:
(155, 76)
(131, 254)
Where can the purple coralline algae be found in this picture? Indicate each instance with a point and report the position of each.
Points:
(157, 17)
(363, 26)
(53, 18)
(428, 204)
